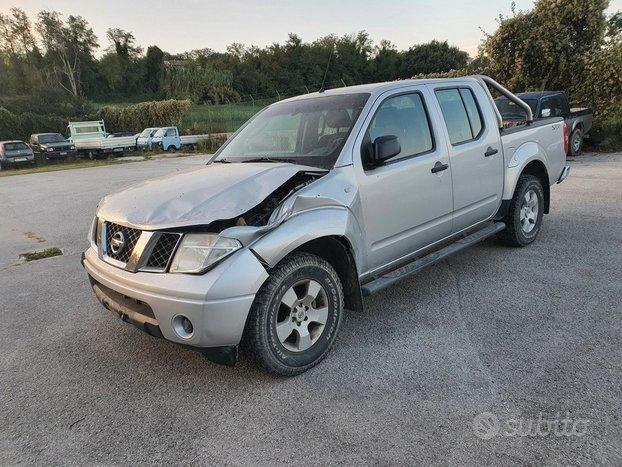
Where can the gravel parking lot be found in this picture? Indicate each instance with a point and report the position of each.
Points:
(498, 355)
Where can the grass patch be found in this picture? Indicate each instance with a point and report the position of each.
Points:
(47, 253)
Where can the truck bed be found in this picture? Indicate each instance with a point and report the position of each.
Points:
(106, 143)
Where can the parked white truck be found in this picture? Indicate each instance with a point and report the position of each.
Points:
(92, 140)
(168, 138)
(314, 203)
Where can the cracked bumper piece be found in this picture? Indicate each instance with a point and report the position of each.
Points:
(216, 303)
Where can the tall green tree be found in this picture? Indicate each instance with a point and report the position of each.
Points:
(69, 47)
(547, 47)
(432, 57)
(154, 69)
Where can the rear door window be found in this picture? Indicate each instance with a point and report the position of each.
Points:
(461, 114)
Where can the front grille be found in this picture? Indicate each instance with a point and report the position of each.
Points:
(163, 251)
(130, 237)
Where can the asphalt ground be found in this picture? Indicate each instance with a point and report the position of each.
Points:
(497, 356)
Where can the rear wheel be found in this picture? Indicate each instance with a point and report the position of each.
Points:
(295, 317)
(576, 142)
(524, 217)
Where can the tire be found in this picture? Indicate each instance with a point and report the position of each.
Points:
(282, 349)
(91, 155)
(524, 217)
(576, 142)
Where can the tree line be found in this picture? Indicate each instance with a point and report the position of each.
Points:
(60, 54)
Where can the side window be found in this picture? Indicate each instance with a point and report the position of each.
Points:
(552, 107)
(475, 118)
(406, 117)
(461, 114)
(170, 132)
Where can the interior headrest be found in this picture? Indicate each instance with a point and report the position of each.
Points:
(338, 118)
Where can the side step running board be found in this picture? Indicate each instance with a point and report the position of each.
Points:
(439, 255)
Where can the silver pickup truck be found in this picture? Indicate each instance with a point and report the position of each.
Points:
(314, 203)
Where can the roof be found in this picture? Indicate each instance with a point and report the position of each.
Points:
(42, 134)
(12, 141)
(378, 88)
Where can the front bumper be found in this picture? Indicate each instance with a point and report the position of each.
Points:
(217, 303)
(59, 154)
(18, 160)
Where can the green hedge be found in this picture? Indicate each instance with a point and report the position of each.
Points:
(14, 126)
(137, 117)
(606, 134)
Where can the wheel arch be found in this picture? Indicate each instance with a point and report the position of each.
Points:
(530, 159)
(537, 168)
(330, 233)
(337, 251)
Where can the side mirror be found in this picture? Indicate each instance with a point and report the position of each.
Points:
(382, 149)
(546, 113)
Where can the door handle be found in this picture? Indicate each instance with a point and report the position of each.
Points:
(439, 167)
(490, 152)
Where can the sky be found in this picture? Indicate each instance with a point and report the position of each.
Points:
(183, 25)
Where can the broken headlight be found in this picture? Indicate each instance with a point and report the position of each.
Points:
(199, 251)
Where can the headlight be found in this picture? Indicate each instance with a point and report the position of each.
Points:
(50, 149)
(72, 148)
(198, 252)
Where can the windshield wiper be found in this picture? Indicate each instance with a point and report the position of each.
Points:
(222, 161)
(270, 159)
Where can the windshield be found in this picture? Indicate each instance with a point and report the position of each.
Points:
(509, 109)
(306, 131)
(55, 138)
(15, 146)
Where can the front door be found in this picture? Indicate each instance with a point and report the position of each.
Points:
(407, 202)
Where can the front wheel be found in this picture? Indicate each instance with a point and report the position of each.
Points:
(296, 315)
(524, 217)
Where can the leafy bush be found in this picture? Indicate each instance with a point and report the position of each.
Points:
(606, 134)
(21, 127)
(9, 125)
(137, 117)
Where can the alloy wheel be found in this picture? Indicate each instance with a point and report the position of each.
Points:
(302, 316)
(529, 211)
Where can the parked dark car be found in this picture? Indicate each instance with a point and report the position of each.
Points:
(547, 104)
(15, 153)
(52, 145)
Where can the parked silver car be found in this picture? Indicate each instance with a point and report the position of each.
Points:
(15, 153)
(314, 203)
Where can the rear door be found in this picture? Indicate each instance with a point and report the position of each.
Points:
(475, 152)
(406, 205)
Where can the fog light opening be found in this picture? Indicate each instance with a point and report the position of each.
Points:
(183, 326)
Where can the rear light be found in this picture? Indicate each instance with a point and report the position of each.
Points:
(566, 138)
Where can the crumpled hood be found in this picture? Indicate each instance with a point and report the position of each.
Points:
(214, 192)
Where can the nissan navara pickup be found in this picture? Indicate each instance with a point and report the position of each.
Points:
(316, 202)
